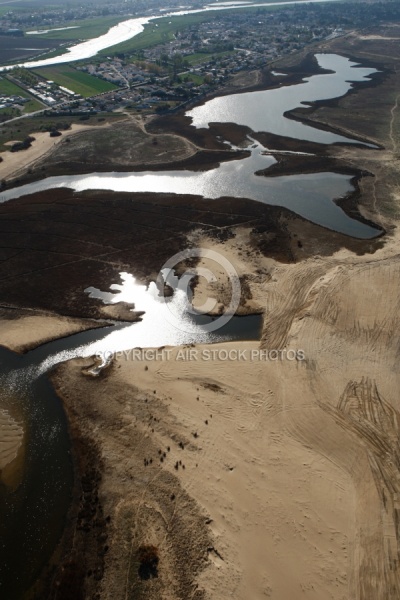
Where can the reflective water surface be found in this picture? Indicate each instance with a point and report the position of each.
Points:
(158, 327)
(128, 29)
(32, 516)
(41, 31)
(310, 195)
(265, 110)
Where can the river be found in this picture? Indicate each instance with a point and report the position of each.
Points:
(266, 110)
(32, 516)
(128, 29)
(311, 196)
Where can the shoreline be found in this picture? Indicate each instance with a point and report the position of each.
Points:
(119, 220)
(307, 67)
(287, 448)
(203, 160)
(102, 527)
(85, 533)
(42, 328)
(213, 158)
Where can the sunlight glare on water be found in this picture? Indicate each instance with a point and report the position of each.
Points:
(156, 328)
(310, 195)
(265, 110)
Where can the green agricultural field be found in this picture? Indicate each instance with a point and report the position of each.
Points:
(85, 30)
(200, 57)
(77, 81)
(156, 32)
(10, 88)
(197, 79)
(197, 58)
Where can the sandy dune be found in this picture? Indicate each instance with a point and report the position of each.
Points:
(255, 477)
(297, 467)
(293, 464)
(276, 506)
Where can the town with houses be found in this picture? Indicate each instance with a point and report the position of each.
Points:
(196, 60)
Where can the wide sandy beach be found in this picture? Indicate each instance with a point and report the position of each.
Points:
(290, 461)
(263, 469)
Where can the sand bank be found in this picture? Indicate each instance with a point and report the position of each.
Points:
(27, 332)
(256, 475)
(280, 469)
(16, 163)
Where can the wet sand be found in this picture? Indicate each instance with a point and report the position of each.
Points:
(280, 456)
(291, 463)
(255, 477)
(23, 332)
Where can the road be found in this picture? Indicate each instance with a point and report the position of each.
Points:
(32, 114)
